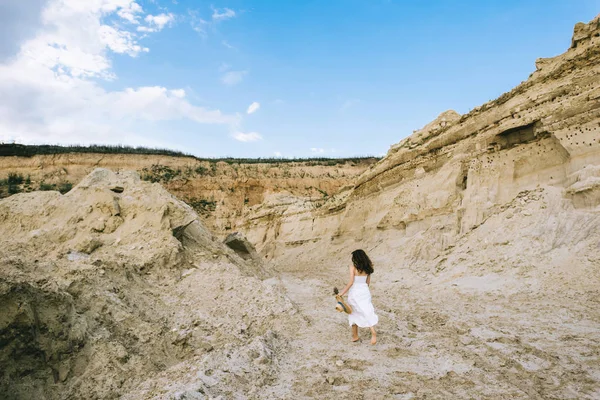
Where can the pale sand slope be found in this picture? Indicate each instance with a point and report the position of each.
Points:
(132, 298)
(116, 282)
(507, 313)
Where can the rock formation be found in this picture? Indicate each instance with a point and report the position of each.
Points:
(243, 248)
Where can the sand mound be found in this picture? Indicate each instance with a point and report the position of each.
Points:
(116, 283)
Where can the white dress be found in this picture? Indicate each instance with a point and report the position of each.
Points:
(359, 298)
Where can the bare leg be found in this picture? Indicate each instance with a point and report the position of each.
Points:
(373, 336)
(355, 337)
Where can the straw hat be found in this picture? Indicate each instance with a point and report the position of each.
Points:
(342, 306)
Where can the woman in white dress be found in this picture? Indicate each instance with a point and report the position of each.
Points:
(359, 297)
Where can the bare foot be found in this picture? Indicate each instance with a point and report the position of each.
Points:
(355, 333)
(373, 336)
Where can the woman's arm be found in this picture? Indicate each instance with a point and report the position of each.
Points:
(350, 283)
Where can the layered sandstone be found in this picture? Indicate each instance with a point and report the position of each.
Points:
(220, 191)
(485, 233)
(458, 171)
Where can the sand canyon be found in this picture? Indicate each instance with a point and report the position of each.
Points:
(484, 229)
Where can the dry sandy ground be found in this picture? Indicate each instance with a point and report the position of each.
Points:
(510, 310)
(153, 306)
(462, 340)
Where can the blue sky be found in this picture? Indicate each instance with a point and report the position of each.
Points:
(332, 78)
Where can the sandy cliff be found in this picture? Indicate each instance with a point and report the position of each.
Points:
(458, 171)
(485, 232)
(218, 191)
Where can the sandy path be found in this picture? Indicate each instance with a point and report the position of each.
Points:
(442, 343)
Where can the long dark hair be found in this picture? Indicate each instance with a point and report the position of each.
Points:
(362, 262)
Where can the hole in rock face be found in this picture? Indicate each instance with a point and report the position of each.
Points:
(462, 178)
(180, 231)
(518, 135)
(240, 247)
(464, 182)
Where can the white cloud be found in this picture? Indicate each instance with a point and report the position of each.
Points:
(19, 20)
(322, 151)
(226, 44)
(222, 14)
(202, 25)
(198, 24)
(156, 23)
(179, 93)
(253, 107)
(247, 137)
(51, 92)
(158, 104)
(159, 20)
(277, 154)
(232, 78)
(118, 41)
(130, 13)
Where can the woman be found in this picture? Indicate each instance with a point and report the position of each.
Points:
(359, 297)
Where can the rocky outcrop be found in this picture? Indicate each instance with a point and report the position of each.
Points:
(238, 243)
(109, 286)
(434, 128)
(243, 248)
